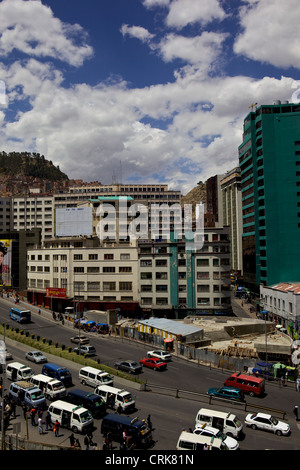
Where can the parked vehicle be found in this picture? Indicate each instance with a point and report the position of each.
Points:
(246, 383)
(91, 401)
(226, 422)
(137, 429)
(267, 422)
(153, 363)
(85, 350)
(163, 355)
(116, 398)
(70, 416)
(227, 392)
(36, 356)
(53, 389)
(204, 430)
(131, 367)
(17, 371)
(94, 377)
(80, 339)
(190, 441)
(58, 372)
(25, 392)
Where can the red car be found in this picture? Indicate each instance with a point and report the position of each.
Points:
(153, 363)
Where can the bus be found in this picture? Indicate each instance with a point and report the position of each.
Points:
(21, 316)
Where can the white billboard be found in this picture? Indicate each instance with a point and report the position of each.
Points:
(74, 221)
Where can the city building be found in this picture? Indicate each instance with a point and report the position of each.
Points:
(281, 303)
(232, 216)
(269, 159)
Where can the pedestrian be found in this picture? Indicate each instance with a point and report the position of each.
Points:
(295, 411)
(48, 422)
(56, 428)
(87, 443)
(72, 440)
(149, 422)
(40, 425)
(24, 407)
(77, 444)
(298, 384)
(32, 416)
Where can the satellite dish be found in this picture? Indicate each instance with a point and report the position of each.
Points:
(296, 357)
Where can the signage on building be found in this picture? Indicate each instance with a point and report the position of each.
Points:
(55, 292)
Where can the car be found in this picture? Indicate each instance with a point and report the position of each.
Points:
(80, 339)
(85, 350)
(227, 392)
(132, 367)
(36, 356)
(267, 422)
(163, 355)
(153, 363)
(204, 430)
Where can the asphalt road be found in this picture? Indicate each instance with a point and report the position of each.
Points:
(169, 414)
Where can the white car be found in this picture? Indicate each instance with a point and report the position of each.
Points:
(160, 354)
(36, 356)
(230, 442)
(267, 423)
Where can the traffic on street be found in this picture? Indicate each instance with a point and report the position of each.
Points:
(170, 401)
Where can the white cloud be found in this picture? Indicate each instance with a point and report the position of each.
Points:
(31, 28)
(184, 12)
(270, 32)
(137, 32)
(202, 49)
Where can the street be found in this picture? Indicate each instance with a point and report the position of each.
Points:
(168, 413)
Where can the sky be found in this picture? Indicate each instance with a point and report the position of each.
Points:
(142, 91)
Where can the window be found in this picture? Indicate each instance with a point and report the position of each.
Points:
(161, 288)
(161, 275)
(203, 262)
(146, 275)
(161, 262)
(124, 256)
(108, 286)
(125, 286)
(145, 262)
(146, 288)
(78, 269)
(77, 257)
(93, 256)
(109, 269)
(108, 256)
(93, 286)
(125, 269)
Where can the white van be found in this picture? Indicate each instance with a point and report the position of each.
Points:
(17, 371)
(190, 441)
(115, 397)
(226, 422)
(70, 416)
(53, 389)
(94, 377)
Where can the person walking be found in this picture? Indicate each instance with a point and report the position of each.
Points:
(40, 425)
(48, 422)
(295, 411)
(72, 440)
(87, 443)
(56, 428)
(32, 416)
(298, 384)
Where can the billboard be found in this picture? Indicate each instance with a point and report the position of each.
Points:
(5, 262)
(55, 292)
(74, 221)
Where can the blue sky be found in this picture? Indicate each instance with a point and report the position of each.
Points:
(142, 90)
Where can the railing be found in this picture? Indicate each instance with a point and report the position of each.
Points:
(179, 393)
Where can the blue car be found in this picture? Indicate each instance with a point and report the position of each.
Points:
(230, 393)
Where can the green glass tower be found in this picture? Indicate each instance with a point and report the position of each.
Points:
(269, 158)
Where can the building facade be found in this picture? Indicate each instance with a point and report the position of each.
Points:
(232, 216)
(281, 303)
(269, 159)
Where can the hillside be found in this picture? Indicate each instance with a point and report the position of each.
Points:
(25, 164)
(196, 195)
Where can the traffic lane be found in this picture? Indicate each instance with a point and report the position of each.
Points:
(169, 416)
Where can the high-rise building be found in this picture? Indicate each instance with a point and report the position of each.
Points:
(232, 215)
(269, 158)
